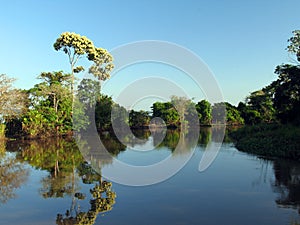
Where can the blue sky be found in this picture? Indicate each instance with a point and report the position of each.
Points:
(240, 41)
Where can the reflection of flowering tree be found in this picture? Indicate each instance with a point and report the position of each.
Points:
(103, 198)
(12, 175)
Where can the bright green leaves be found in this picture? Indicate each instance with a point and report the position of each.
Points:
(139, 118)
(204, 110)
(56, 77)
(51, 106)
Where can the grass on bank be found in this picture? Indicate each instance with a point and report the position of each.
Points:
(271, 140)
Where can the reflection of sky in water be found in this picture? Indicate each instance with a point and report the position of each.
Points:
(136, 156)
(140, 158)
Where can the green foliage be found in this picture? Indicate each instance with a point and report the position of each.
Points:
(89, 92)
(53, 155)
(219, 113)
(119, 116)
(233, 116)
(64, 162)
(225, 113)
(166, 112)
(34, 124)
(204, 110)
(139, 118)
(269, 140)
(261, 101)
(51, 106)
(80, 119)
(205, 136)
(250, 116)
(58, 78)
(103, 110)
(279, 101)
(287, 93)
(108, 112)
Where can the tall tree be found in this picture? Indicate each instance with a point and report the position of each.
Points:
(286, 89)
(77, 46)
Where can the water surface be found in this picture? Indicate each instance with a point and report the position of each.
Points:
(49, 182)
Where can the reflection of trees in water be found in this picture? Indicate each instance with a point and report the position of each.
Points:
(170, 140)
(129, 137)
(66, 167)
(53, 155)
(205, 135)
(99, 150)
(182, 141)
(141, 133)
(60, 158)
(102, 200)
(287, 183)
(12, 175)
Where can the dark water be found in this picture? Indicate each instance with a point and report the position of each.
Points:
(48, 182)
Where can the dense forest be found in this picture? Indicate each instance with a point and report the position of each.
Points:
(47, 108)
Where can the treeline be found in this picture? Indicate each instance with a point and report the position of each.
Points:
(51, 106)
(48, 108)
(279, 103)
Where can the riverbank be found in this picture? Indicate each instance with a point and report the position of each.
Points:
(270, 140)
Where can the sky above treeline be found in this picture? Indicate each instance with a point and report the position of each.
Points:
(240, 41)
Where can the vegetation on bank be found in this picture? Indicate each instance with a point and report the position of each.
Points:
(49, 108)
(278, 102)
(270, 140)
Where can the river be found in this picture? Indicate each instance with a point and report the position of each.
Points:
(52, 182)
